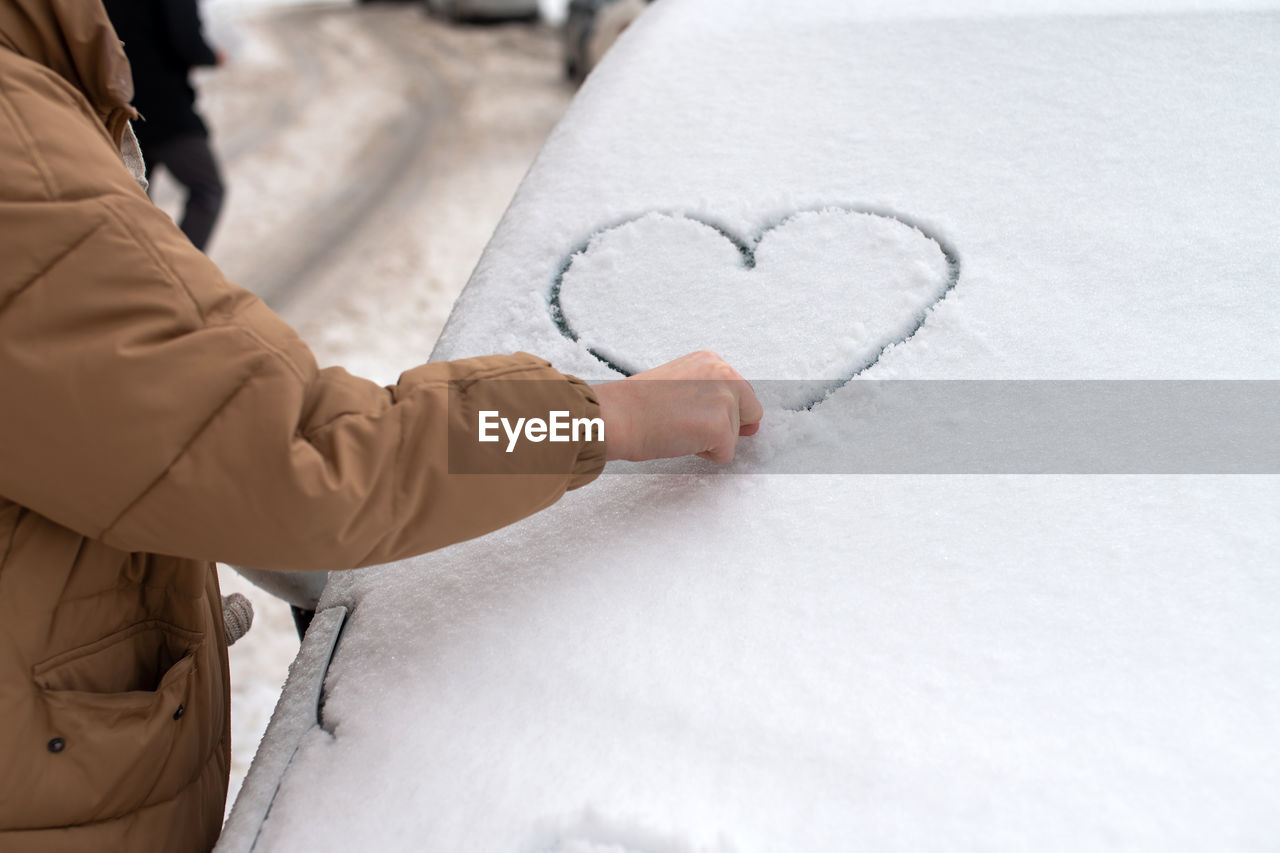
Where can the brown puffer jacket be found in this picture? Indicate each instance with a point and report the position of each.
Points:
(154, 418)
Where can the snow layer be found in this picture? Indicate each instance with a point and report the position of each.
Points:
(627, 296)
(682, 662)
(1007, 663)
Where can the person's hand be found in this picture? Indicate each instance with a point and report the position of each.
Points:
(696, 404)
(219, 57)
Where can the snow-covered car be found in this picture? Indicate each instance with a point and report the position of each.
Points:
(1001, 569)
(478, 10)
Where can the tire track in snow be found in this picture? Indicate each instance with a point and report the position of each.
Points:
(390, 150)
(282, 111)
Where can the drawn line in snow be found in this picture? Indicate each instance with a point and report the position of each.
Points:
(747, 250)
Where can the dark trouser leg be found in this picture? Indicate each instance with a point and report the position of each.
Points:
(301, 619)
(190, 160)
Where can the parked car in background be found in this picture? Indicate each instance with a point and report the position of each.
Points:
(591, 29)
(480, 10)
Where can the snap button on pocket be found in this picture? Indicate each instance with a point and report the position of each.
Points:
(178, 713)
(114, 698)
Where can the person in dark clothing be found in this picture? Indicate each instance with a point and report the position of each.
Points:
(164, 41)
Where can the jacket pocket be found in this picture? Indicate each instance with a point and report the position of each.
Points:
(115, 711)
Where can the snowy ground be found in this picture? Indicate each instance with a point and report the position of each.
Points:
(369, 153)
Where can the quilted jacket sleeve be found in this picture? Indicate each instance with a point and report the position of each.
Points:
(149, 403)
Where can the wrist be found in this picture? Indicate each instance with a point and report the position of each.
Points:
(617, 423)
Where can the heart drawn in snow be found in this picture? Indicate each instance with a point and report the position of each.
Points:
(815, 299)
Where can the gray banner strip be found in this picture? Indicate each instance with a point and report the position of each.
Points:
(999, 427)
(1040, 427)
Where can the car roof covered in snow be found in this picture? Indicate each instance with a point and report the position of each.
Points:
(792, 653)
